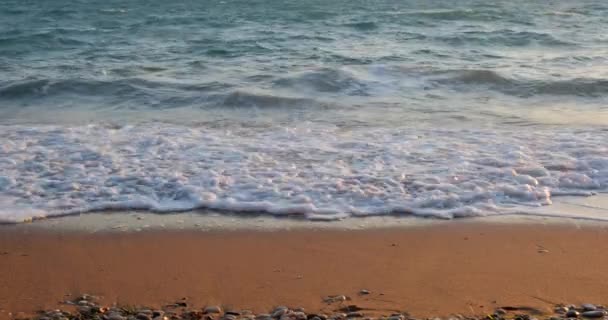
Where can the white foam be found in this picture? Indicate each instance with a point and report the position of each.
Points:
(311, 171)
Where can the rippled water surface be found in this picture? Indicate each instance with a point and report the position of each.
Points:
(315, 109)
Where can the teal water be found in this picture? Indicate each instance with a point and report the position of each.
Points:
(316, 109)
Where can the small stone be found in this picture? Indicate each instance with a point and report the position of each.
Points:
(229, 317)
(500, 311)
(246, 312)
(84, 309)
(232, 312)
(340, 298)
(115, 316)
(299, 309)
(279, 312)
(354, 315)
(396, 317)
(572, 313)
(212, 309)
(157, 313)
(299, 315)
(364, 292)
(83, 303)
(555, 318)
(338, 316)
(594, 314)
(588, 307)
(561, 310)
(314, 318)
(143, 316)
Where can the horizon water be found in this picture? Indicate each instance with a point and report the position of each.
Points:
(317, 110)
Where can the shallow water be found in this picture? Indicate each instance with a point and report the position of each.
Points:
(313, 109)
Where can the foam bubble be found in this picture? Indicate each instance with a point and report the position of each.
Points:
(310, 171)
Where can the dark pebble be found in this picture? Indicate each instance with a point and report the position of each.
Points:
(572, 313)
(143, 316)
(594, 314)
(354, 315)
(500, 311)
(212, 309)
(588, 307)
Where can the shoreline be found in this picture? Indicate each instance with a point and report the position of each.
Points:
(467, 268)
(565, 210)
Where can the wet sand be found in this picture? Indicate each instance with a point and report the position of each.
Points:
(429, 270)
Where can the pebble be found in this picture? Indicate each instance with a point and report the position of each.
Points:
(232, 312)
(500, 311)
(84, 309)
(115, 316)
(229, 317)
(299, 315)
(588, 307)
(332, 299)
(364, 291)
(594, 314)
(212, 309)
(279, 312)
(354, 315)
(300, 309)
(561, 309)
(572, 313)
(143, 316)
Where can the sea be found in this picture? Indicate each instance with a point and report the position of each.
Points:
(303, 109)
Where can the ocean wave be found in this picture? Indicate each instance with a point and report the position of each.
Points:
(244, 99)
(327, 80)
(457, 14)
(309, 171)
(581, 87)
(119, 89)
(507, 37)
(362, 25)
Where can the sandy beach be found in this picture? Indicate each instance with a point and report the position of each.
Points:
(433, 270)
